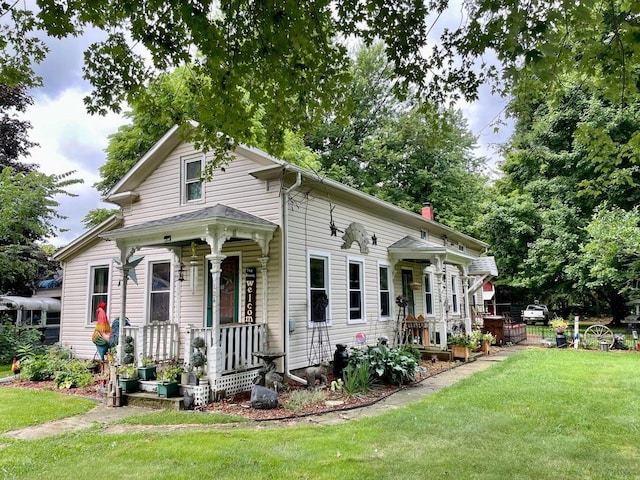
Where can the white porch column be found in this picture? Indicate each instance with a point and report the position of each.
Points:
(465, 291)
(440, 288)
(265, 287)
(214, 354)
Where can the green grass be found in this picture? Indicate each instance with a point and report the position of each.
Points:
(5, 371)
(21, 408)
(181, 418)
(543, 414)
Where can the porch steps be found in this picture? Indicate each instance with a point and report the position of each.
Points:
(152, 400)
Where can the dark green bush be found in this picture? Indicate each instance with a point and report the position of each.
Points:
(391, 366)
(18, 341)
(74, 373)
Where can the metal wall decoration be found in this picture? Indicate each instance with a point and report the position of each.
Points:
(250, 295)
(355, 232)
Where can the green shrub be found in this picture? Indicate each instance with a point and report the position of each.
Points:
(36, 368)
(391, 366)
(358, 379)
(74, 373)
(18, 341)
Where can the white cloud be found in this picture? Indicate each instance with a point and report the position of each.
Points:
(71, 140)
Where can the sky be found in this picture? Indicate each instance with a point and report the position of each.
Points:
(70, 139)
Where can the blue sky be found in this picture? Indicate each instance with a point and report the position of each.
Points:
(71, 139)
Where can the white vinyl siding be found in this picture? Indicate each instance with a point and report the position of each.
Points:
(355, 297)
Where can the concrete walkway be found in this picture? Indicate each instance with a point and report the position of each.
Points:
(106, 416)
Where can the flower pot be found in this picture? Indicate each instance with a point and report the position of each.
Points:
(168, 389)
(147, 373)
(184, 378)
(561, 341)
(129, 385)
(459, 351)
(485, 347)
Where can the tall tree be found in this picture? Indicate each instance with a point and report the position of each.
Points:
(27, 201)
(284, 57)
(399, 149)
(14, 138)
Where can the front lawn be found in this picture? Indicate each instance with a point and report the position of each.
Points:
(543, 414)
(21, 408)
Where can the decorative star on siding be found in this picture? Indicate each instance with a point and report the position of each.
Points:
(129, 267)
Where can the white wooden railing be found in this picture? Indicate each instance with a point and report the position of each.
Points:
(159, 341)
(237, 343)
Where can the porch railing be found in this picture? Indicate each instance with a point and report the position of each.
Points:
(159, 341)
(237, 342)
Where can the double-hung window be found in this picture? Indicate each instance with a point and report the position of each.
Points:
(356, 290)
(319, 295)
(384, 291)
(159, 291)
(428, 293)
(99, 288)
(192, 179)
(454, 293)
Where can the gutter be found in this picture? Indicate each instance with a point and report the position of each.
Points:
(285, 276)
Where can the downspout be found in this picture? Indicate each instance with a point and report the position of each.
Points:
(284, 273)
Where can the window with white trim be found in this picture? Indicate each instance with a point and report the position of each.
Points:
(99, 288)
(192, 179)
(159, 291)
(319, 295)
(454, 293)
(355, 283)
(428, 293)
(384, 289)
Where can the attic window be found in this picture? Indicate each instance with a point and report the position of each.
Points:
(191, 173)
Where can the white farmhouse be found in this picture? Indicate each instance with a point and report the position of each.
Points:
(265, 257)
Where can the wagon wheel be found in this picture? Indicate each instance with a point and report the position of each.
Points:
(596, 334)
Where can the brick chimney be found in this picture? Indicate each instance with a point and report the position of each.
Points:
(427, 210)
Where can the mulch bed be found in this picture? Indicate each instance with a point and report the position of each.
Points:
(239, 404)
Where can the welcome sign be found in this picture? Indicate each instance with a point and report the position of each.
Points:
(250, 295)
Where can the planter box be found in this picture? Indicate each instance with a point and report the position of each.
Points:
(129, 385)
(169, 389)
(458, 351)
(147, 373)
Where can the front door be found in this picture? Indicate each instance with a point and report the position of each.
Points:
(407, 291)
(229, 291)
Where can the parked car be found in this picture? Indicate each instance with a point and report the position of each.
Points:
(535, 313)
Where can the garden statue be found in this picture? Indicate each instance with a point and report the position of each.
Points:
(102, 333)
(273, 381)
(318, 373)
(340, 359)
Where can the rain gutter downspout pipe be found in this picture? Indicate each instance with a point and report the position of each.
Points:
(285, 275)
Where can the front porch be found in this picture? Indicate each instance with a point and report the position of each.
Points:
(230, 364)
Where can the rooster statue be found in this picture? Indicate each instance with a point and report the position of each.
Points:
(15, 367)
(104, 335)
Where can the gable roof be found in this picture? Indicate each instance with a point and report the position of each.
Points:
(86, 239)
(272, 168)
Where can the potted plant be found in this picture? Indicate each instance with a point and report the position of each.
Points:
(560, 325)
(168, 380)
(128, 378)
(461, 345)
(148, 369)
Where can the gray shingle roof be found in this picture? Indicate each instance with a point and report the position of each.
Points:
(484, 265)
(218, 211)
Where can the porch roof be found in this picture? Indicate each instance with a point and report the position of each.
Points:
(411, 249)
(484, 266)
(182, 228)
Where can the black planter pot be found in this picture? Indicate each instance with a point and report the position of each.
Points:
(561, 341)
